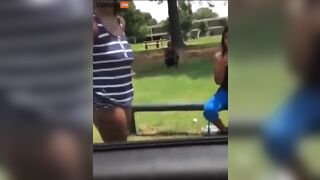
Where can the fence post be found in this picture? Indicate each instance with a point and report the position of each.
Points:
(145, 45)
(132, 127)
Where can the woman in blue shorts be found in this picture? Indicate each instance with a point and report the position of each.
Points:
(299, 116)
(112, 74)
(219, 101)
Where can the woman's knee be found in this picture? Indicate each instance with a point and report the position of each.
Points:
(112, 124)
(279, 143)
(210, 113)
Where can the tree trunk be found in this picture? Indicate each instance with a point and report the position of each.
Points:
(174, 21)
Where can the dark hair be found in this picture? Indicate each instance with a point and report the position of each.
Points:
(116, 7)
(224, 47)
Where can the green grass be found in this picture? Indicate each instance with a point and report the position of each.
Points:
(258, 86)
(192, 82)
(3, 173)
(199, 41)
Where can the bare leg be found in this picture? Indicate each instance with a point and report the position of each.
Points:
(59, 154)
(220, 126)
(68, 152)
(299, 170)
(112, 124)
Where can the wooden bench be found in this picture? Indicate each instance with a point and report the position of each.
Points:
(156, 43)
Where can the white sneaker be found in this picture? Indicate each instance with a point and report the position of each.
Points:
(212, 130)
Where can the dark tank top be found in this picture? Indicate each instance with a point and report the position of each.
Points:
(224, 84)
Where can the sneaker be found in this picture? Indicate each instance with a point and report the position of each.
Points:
(223, 132)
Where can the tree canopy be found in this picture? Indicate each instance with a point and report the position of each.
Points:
(137, 22)
(186, 17)
(203, 13)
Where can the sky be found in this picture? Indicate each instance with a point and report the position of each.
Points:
(160, 11)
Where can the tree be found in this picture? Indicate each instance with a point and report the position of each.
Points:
(203, 13)
(137, 22)
(203, 28)
(174, 21)
(163, 22)
(166, 25)
(148, 18)
(186, 18)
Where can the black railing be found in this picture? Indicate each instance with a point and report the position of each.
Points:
(239, 127)
(162, 107)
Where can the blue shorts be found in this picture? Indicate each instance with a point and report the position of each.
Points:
(297, 118)
(217, 103)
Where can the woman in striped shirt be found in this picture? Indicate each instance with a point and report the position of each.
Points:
(112, 74)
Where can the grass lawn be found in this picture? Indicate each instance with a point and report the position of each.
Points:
(199, 41)
(192, 82)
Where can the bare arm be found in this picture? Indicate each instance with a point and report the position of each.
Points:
(94, 28)
(220, 64)
(122, 22)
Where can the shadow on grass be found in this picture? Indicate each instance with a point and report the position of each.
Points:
(194, 68)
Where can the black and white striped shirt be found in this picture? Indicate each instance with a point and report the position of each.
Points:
(44, 48)
(112, 71)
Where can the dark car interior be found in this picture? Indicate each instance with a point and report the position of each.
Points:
(189, 159)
